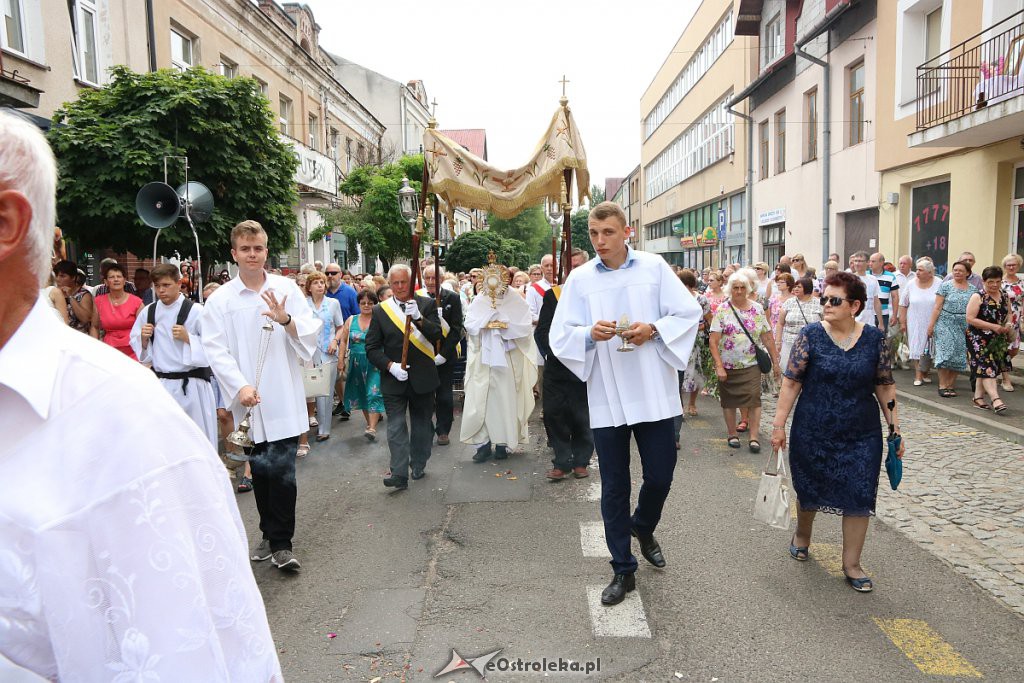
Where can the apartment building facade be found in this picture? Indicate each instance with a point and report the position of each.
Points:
(628, 195)
(950, 132)
(693, 155)
(815, 189)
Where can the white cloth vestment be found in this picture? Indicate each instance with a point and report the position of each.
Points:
(164, 353)
(232, 335)
(122, 554)
(501, 370)
(638, 386)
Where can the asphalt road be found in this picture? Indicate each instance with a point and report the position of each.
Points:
(478, 558)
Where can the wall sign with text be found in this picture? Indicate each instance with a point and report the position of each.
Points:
(929, 225)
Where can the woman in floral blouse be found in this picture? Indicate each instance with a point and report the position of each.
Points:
(739, 379)
(988, 341)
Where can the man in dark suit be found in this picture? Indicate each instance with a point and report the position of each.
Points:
(566, 411)
(411, 390)
(444, 359)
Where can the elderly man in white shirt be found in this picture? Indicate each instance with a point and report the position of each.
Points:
(630, 394)
(123, 551)
(233, 337)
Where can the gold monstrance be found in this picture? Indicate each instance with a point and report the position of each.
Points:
(496, 279)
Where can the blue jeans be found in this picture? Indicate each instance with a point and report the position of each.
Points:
(656, 443)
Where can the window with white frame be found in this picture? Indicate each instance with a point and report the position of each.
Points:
(312, 126)
(773, 40)
(86, 60)
(763, 148)
(228, 68)
(13, 33)
(285, 114)
(922, 34)
(182, 50)
(702, 144)
(855, 83)
(264, 87)
(702, 59)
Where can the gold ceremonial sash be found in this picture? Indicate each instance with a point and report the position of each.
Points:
(557, 289)
(445, 327)
(415, 336)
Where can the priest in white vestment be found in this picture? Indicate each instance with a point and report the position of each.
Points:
(177, 355)
(501, 369)
(634, 297)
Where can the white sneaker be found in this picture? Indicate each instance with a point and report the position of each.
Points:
(918, 382)
(261, 552)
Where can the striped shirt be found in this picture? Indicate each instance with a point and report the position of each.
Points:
(886, 285)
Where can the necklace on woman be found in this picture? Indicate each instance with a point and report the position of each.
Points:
(120, 300)
(846, 343)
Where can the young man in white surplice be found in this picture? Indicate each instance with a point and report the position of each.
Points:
(123, 554)
(630, 393)
(233, 336)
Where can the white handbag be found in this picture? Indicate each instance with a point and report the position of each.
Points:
(772, 503)
(316, 380)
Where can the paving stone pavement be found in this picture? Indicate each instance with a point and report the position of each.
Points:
(961, 498)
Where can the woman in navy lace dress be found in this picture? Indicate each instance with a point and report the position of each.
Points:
(841, 372)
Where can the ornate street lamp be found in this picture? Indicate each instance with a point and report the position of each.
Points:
(409, 203)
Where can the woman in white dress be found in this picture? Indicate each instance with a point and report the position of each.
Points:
(917, 304)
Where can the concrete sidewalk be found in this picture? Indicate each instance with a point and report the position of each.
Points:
(1009, 425)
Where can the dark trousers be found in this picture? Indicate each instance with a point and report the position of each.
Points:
(656, 443)
(567, 420)
(409, 442)
(273, 485)
(444, 400)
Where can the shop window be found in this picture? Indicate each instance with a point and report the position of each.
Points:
(929, 224)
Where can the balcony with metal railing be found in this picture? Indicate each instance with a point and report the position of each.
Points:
(15, 90)
(973, 93)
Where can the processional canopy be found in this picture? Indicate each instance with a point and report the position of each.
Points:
(463, 179)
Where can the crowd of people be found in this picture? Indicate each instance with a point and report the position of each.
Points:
(618, 352)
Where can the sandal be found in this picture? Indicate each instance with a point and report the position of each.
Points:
(245, 485)
(1000, 408)
(742, 426)
(303, 450)
(798, 553)
(734, 441)
(861, 585)
(691, 412)
(322, 437)
(754, 446)
(370, 434)
(979, 403)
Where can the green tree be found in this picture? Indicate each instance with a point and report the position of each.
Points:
(581, 231)
(111, 142)
(596, 195)
(374, 219)
(470, 250)
(530, 227)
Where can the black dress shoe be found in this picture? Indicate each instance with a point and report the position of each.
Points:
(338, 409)
(617, 589)
(650, 549)
(483, 453)
(500, 452)
(398, 483)
(417, 473)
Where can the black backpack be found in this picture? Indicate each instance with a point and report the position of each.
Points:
(186, 306)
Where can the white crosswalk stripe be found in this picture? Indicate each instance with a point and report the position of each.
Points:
(625, 620)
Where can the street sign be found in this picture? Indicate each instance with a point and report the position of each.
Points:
(721, 224)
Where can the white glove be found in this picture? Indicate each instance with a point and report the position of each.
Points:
(398, 373)
(440, 360)
(412, 310)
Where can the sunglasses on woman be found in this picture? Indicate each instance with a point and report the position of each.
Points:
(834, 301)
